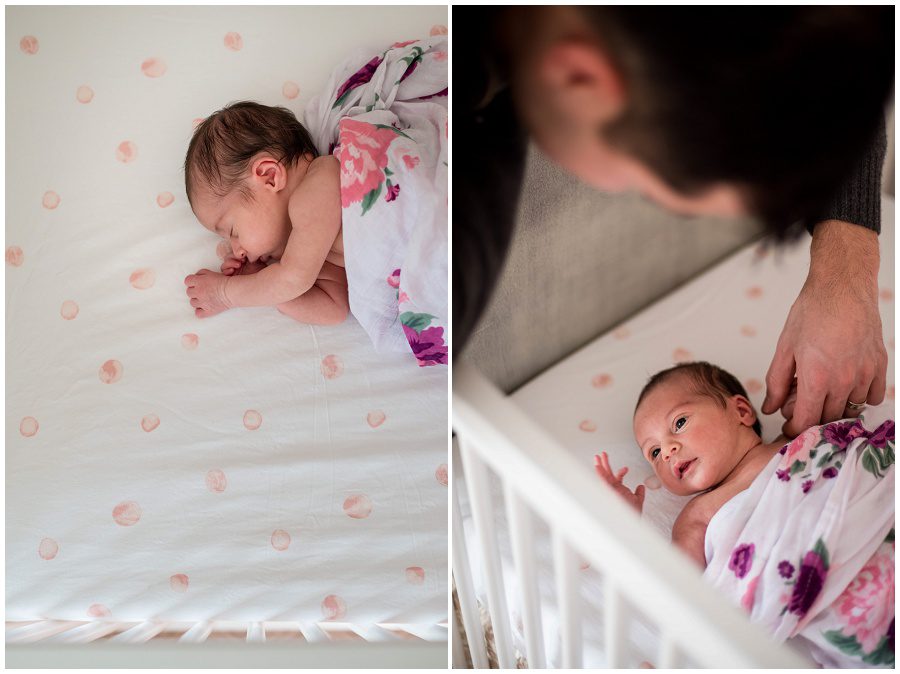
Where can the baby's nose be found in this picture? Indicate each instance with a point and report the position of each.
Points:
(237, 250)
(672, 450)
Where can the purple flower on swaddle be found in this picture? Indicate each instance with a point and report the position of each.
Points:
(392, 191)
(428, 345)
(785, 569)
(830, 472)
(806, 486)
(360, 77)
(810, 580)
(783, 475)
(741, 559)
(883, 435)
(842, 434)
(394, 279)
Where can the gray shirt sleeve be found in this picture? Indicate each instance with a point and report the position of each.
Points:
(859, 199)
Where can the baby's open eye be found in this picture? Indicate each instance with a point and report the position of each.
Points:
(680, 422)
(654, 452)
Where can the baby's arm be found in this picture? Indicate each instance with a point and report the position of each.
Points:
(315, 212)
(689, 534)
(326, 303)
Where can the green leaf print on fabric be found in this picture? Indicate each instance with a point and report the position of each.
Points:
(882, 655)
(797, 466)
(395, 130)
(417, 322)
(370, 199)
(876, 460)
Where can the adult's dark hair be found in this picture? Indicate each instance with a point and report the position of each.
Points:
(222, 146)
(707, 379)
(780, 101)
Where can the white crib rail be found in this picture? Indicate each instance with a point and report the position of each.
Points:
(50, 644)
(638, 565)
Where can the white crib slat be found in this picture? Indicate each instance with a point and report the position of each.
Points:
(613, 623)
(36, 631)
(462, 576)
(565, 565)
(375, 633)
(256, 634)
(427, 632)
(520, 528)
(483, 515)
(198, 633)
(139, 633)
(84, 633)
(313, 633)
(667, 651)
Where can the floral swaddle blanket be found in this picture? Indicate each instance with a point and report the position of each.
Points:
(808, 549)
(384, 116)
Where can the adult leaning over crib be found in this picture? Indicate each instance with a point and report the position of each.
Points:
(718, 111)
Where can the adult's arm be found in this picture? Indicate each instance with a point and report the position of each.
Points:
(832, 340)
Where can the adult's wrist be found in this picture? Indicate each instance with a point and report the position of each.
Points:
(846, 254)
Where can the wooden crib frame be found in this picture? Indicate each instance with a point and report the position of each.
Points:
(50, 644)
(639, 567)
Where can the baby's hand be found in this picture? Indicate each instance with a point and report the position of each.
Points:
(232, 265)
(601, 464)
(207, 292)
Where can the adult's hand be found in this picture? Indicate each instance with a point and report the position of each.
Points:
(832, 339)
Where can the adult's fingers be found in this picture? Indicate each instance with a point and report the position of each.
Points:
(878, 387)
(835, 407)
(807, 410)
(778, 380)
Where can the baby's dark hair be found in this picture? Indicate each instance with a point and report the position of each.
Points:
(708, 380)
(221, 148)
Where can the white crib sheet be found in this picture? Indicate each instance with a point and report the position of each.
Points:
(244, 467)
(731, 315)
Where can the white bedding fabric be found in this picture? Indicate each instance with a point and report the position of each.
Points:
(294, 473)
(732, 316)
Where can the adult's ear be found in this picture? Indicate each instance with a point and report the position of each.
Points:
(580, 80)
(746, 414)
(269, 173)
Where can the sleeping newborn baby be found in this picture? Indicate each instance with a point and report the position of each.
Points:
(800, 534)
(253, 177)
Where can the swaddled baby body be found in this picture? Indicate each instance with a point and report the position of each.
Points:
(252, 177)
(799, 534)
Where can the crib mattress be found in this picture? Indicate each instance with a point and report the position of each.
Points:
(158, 466)
(731, 315)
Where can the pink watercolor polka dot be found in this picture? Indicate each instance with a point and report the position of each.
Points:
(754, 292)
(601, 381)
(753, 385)
(415, 575)
(587, 426)
(281, 539)
(98, 611)
(126, 152)
(150, 423)
(290, 90)
(84, 94)
(215, 481)
(376, 418)
(358, 507)
(197, 122)
(890, 392)
(622, 333)
(680, 355)
(153, 67)
(29, 44)
(332, 367)
(222, 249)
(68, 310)
(748, 331)
(179, 582)
(234, 41)
(111, 372)
(653, 482)
(891, 343)
(50, 200)
(252, 420)
(584, 566)
(886, 294)
(190, 341)
(438, 30)
(441, 474)
(142, 278)
(333, 607)
(14, 256)
(48, 548)
(127, 513)
(164, 199)
(29, 427)
(761, 251)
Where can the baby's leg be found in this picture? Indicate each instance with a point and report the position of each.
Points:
(325, 303)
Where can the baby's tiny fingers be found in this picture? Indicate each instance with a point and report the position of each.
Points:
(621, 473)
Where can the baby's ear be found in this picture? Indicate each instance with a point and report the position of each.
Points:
(746, 413)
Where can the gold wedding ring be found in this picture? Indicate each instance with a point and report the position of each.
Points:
(856, 406)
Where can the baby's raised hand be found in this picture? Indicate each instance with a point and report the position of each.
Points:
(206, 289)
(634, 499)
(234, 266)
